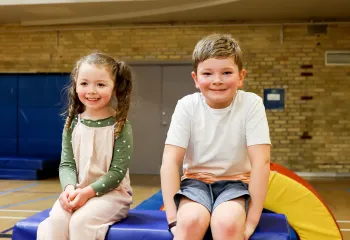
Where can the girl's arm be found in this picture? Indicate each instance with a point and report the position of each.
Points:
(122, 153)
(259, 156)
(67, 168)
(170, 178)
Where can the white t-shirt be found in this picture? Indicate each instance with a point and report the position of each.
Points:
(217, 140)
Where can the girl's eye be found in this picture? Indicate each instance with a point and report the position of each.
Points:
(83, 84)
(101, 85)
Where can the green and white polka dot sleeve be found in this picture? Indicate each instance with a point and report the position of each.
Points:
(68, 168)
(123, 148)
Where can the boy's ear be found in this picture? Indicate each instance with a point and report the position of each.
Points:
(242, 75)
(194, 76)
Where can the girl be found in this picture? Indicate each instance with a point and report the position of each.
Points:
(96, 149)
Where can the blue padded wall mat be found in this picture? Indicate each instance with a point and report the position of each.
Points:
(8, 89)
(8, 146)
(41, 90)
(8, 119)
(40, 132)
(40, 123)
(41, 99)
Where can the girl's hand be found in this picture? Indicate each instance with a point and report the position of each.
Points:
(64, 198)
(80, 196)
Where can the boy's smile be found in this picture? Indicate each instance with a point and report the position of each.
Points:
(218, 79)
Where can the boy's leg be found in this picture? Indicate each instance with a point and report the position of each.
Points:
(229, 209)
(228, 220)
(192, 220)
(194, 203)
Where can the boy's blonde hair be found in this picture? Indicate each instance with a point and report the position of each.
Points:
(217, 46)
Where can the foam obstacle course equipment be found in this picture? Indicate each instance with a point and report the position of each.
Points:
(294, 197)
(152, 225)
(28, 168)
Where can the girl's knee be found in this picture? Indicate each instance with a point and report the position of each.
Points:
(58, 220)
(53, 227)
(78, 221)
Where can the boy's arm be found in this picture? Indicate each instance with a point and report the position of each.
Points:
(170, 178)
(259, 156)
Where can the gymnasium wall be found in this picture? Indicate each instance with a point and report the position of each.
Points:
(274, 57)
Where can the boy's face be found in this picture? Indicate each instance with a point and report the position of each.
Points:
(218, 79)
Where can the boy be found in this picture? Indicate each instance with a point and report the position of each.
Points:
(221, 136)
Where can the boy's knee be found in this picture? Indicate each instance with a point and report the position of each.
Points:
(228, 226)
(190, 220)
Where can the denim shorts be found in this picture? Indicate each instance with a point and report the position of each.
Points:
(212, 195)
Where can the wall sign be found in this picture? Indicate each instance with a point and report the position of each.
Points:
(274, 98)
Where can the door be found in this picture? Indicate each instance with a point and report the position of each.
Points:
(144, 116)
(177, 83)
(154, 97)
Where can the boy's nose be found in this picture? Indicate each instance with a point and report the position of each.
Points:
(217, 80)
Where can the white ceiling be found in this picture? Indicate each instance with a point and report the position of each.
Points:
(58, 12)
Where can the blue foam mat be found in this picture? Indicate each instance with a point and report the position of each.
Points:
(23, 174)
(28, 163)
(155, 202)
(152, 225)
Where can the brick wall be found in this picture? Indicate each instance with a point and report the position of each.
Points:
(270, 63)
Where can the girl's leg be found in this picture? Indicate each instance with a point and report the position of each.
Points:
(92, 220)
(192, 220)
(55, 227)
(228, 220)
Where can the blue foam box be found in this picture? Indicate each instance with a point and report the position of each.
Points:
(152, 225)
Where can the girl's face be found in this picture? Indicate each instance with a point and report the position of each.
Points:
(94, 87)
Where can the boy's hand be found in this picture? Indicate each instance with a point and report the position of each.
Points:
(249, 230)
(172, 230)
(64, 198)
(80, 196)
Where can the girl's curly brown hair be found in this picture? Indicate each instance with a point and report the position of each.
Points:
(121, 74)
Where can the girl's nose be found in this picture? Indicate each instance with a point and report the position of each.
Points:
(92, 90)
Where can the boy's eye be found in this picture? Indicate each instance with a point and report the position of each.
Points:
(227, 73)
(207, 73)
